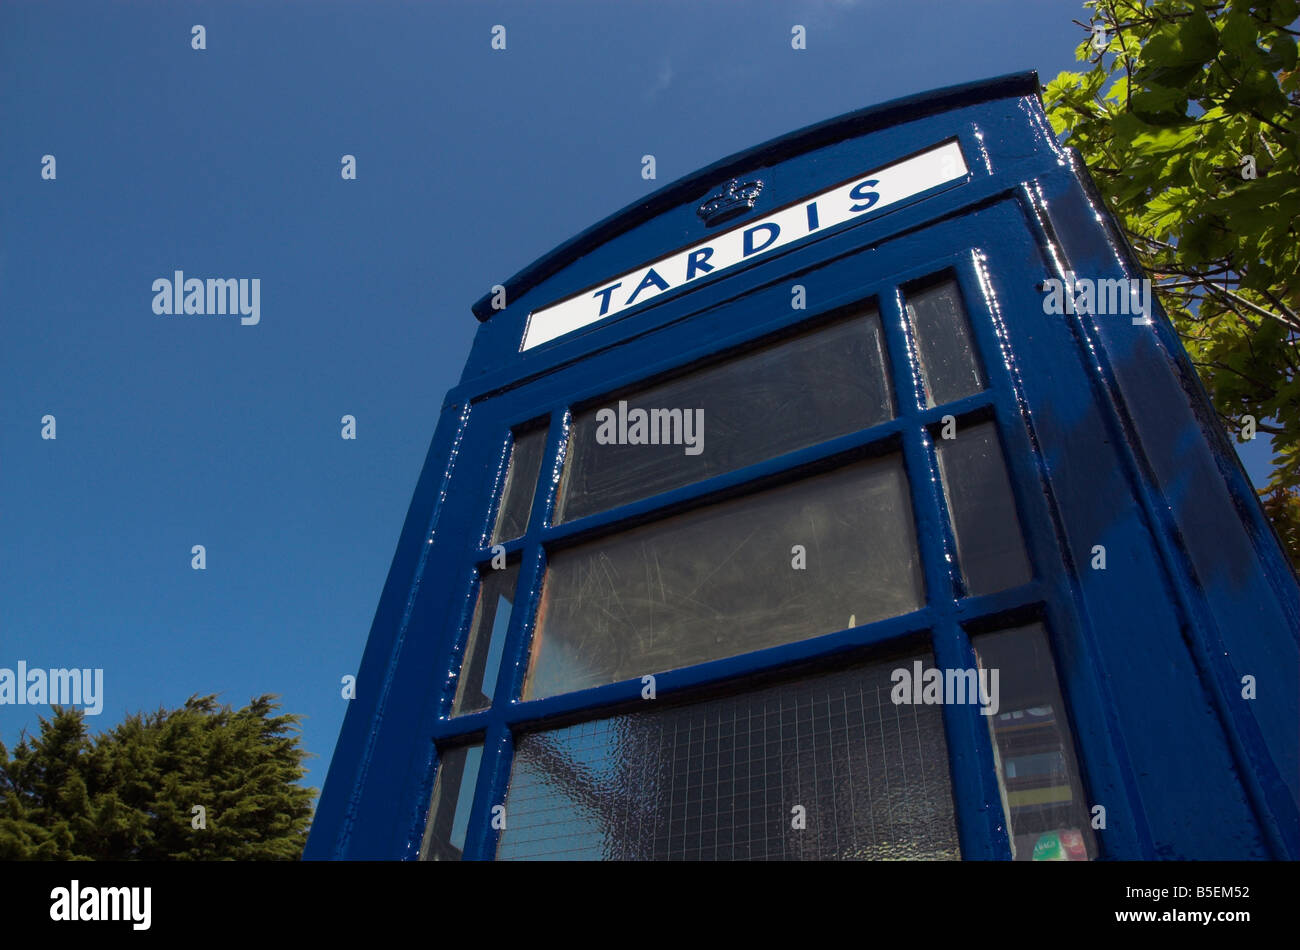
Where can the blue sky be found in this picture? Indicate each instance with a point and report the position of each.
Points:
(225, 162)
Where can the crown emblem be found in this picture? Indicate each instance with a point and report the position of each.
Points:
(735, 197)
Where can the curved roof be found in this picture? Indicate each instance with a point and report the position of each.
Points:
(810, 137)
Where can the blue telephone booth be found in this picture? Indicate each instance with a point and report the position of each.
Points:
(848, 498)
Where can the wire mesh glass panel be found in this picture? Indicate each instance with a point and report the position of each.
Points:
(990, 548)
(453, 796)
(1042, 794)
(784, 396)
(949, 367)
(808, 558)
(825, 767)
(487, 637)
(521, 483)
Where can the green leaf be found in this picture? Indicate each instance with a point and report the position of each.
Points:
(1240, 33)
(1282, 53)
(1197, 37)
(1160, 105)
(1257, 91)
(1157, 141)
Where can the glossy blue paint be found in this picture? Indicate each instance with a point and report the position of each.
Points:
(1108, 439)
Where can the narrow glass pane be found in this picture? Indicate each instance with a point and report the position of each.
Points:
(949, 367)
(453, 797)
(1042, 794)
(521, 483)
(487, 636)
(717, 780)
(727, 579)
(990, 549)
(784, 396)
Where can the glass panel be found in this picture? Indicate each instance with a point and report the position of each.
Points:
(949, 367)
(776, 399)
(990, 549)
(719, 780)
(487, 637)
(521, 483)
(453, 797)
(722, 580)
(1042, 794)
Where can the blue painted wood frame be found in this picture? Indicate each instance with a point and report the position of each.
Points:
(1108, 438)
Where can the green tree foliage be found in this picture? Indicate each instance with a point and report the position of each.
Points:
(1187, 119)
(130, 793)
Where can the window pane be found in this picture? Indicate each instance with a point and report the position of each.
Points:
(717, 780)
(521, 483)
(1042, 795)
(453, 796)
(949, 367)
(720, 580)
(990, 549)
(487, 637)
(782, 397)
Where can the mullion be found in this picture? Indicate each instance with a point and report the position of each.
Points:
(981, 824)
(498, 745)
(952, 639)
(976, 801)
(1054, 567)
(483, 558)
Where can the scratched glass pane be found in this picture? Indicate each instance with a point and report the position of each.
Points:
(785, 396)
(487, 636)
(521, 482)
(453, 796)
(990, 549)
(720, 580)
(949, 367)
(1042, 793)
(717, 780)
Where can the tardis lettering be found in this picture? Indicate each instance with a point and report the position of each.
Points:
(754, 239)
(852, 200)
(773, 232)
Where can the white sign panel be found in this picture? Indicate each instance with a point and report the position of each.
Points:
(793, 223)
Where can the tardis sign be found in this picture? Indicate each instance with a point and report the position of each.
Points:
(871, 193)
(789, 513)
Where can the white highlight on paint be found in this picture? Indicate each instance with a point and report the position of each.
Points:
(859, 198)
